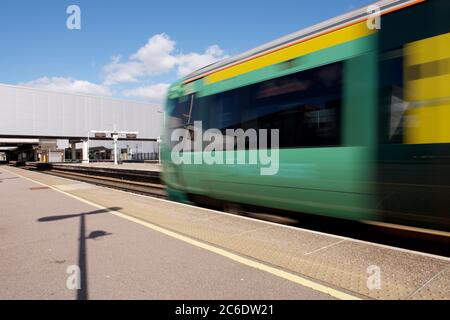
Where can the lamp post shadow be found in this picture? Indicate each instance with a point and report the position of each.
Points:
(83, 292)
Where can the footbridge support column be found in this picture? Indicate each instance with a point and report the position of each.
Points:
(85, 151)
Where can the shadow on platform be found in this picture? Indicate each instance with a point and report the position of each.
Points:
(83, 293)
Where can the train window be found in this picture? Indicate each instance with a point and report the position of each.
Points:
(181, 114)
(305, 107)
(394, 106)
(224, 110)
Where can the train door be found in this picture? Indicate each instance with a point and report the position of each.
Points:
(188, 173)
(414, 150)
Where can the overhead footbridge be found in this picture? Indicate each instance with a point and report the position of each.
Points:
(29, 113)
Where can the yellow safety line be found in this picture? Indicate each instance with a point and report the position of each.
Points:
(245, 261)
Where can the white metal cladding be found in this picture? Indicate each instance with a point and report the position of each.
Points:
(39, 113)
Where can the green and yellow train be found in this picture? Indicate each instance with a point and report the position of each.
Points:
(363, 114)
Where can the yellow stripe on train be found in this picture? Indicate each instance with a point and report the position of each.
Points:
(427, 90)
(332, 39)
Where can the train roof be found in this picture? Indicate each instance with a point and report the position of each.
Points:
(317, 30)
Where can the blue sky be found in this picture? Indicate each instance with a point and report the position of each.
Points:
(135, 48)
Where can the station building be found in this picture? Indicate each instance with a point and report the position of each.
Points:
(49, 126)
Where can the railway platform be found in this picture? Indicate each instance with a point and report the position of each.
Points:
(130, 246)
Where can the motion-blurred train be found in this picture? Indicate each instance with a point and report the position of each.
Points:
(363, 111)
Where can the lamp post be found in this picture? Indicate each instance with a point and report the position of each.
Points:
(160, 137)
(159, 148)
(115, 135)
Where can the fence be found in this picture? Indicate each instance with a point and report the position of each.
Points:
(153, 156)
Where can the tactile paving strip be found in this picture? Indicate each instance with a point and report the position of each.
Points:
(337, 262)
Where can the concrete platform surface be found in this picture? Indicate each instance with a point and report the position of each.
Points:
(44, 232)
(337, 266)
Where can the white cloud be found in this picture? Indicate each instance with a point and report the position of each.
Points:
(157, 57)
(68, 85)
(152, 59)
(193, 61)
(117, 72)
(156, 54)
(152, 93)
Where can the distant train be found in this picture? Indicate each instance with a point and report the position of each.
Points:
(363, 116)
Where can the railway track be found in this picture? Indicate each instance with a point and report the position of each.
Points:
(145, 184)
